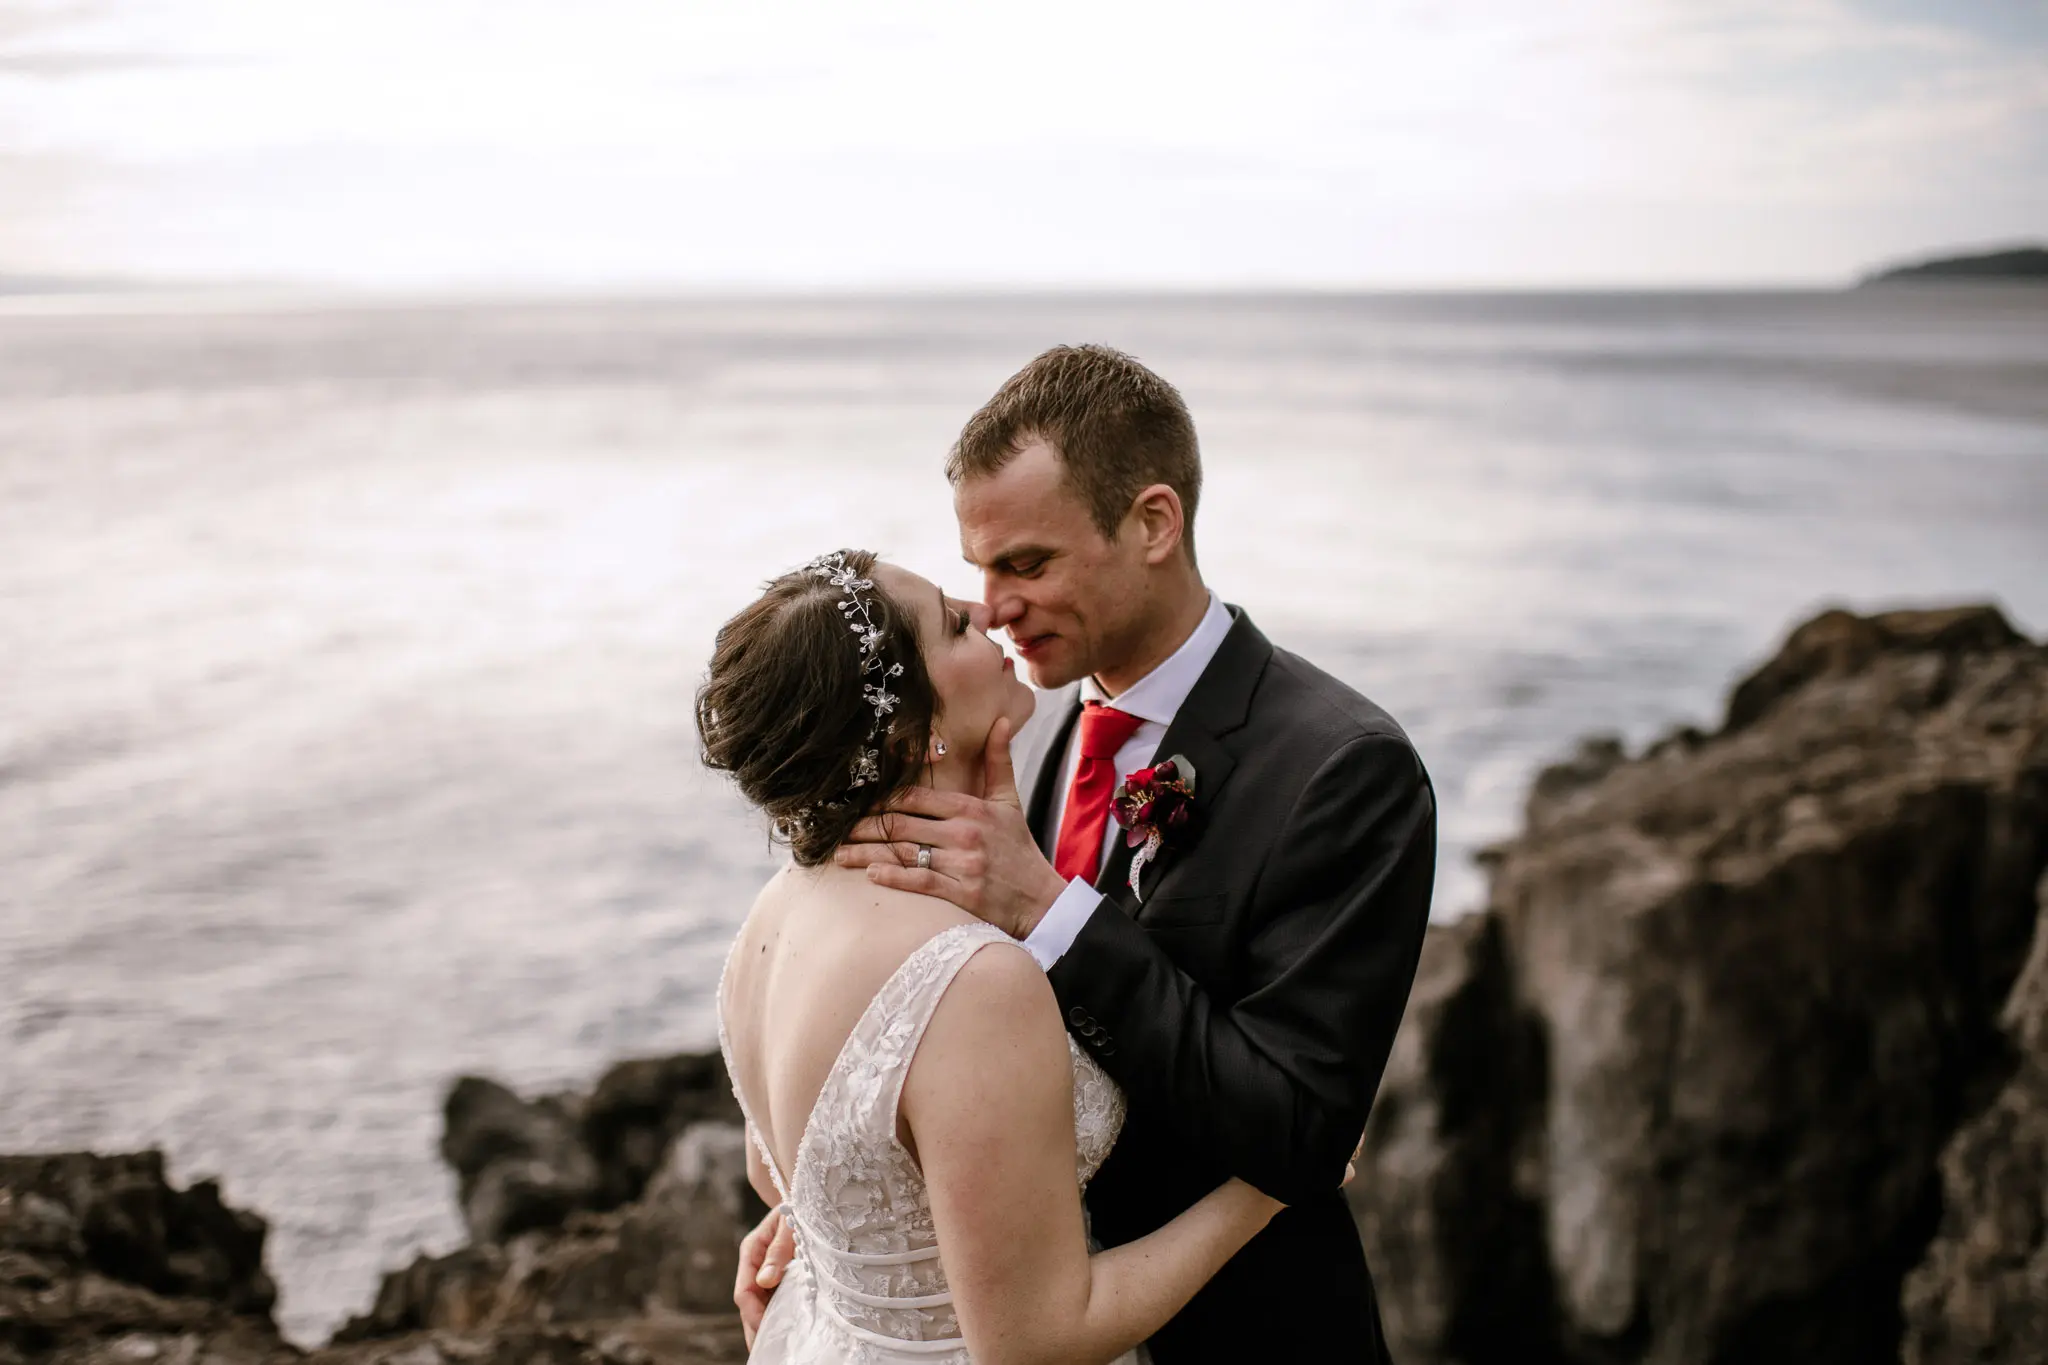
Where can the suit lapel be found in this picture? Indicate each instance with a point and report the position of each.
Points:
(1216, 708)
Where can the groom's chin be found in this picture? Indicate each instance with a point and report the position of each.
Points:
(1046, 675)
(1048, 661)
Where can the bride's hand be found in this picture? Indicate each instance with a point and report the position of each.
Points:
(982, 856)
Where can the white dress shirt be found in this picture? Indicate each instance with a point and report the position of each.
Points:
(1155, 699)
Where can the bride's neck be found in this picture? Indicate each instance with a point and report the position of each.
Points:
(956, 772)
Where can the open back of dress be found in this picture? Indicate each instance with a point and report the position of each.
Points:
(868, 1285)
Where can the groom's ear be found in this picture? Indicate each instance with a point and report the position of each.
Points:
(1157, 518)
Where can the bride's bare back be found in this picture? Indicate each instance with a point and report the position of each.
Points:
(818, 945)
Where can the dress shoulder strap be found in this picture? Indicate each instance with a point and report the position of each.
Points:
(863, 1090)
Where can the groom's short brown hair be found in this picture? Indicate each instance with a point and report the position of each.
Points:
(1116, 426)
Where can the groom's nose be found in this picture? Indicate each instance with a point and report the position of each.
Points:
(1004, 606)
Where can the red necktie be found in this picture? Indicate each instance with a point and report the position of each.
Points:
(1104, 730)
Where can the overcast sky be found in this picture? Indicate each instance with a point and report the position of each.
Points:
(616, 143)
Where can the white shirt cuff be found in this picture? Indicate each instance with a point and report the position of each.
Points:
(1062, 923)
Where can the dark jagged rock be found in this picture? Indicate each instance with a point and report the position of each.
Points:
(526, 1165)
(1840, 644)
(103, 1261)
(1595, 758)
(595, 1220)
(1982, 1292)
(457, 1291)
(640, 1107)
(688, 1227)
(1442, 1199)
(676, 1250)
(664, 1339)
(520, 1165)
(1767, 973)
(1763, 970)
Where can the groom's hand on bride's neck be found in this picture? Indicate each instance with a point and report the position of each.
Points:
(983, 857)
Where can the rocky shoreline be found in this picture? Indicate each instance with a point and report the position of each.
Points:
(1683, 1092)
(1746, 1059)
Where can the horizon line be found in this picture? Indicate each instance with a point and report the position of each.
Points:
(544, 286)
(110, 293)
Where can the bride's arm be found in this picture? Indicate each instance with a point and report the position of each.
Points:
(989, 1104)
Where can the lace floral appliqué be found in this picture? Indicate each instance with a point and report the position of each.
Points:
(869, 1287)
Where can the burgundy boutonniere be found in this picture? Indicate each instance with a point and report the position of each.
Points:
(1156, 807)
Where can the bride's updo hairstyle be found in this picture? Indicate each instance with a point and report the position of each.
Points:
(787, 706)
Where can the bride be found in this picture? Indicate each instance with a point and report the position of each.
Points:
(915, 1106)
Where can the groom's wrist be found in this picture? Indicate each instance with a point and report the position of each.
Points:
(1052, 887)
(1061, 924)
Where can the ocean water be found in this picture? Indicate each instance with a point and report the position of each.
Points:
(347, 647)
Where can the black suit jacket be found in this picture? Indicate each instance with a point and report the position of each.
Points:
(1247, 1006)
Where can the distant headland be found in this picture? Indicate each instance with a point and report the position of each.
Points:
(2009, 263)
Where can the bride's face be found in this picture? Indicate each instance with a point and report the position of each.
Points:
(975, 681)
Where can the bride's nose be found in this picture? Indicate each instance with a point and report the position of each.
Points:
(981, 617)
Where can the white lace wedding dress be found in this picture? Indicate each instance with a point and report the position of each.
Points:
(867, 1286)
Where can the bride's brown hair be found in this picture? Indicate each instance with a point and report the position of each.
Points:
(783, 707)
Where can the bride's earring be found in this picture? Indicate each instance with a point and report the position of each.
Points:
(939, 746)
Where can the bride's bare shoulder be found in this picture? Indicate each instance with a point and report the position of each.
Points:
(997, 1018)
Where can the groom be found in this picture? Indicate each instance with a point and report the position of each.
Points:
(1243, 982)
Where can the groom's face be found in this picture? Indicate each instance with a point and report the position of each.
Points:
(1070, 597)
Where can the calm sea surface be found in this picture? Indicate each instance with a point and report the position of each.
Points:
(346, 650)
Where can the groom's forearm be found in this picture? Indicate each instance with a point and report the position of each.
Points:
(1275, 1086)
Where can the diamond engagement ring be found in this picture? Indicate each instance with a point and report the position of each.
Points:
(924, 856)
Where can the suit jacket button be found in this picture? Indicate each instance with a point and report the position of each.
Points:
(1077, 1016)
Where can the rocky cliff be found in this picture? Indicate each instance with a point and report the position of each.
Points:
(1981, 1294)
(1682, 1092)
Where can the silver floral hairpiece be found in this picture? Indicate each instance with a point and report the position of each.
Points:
(856, 608)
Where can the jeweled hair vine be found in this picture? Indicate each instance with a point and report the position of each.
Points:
(866, 766)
